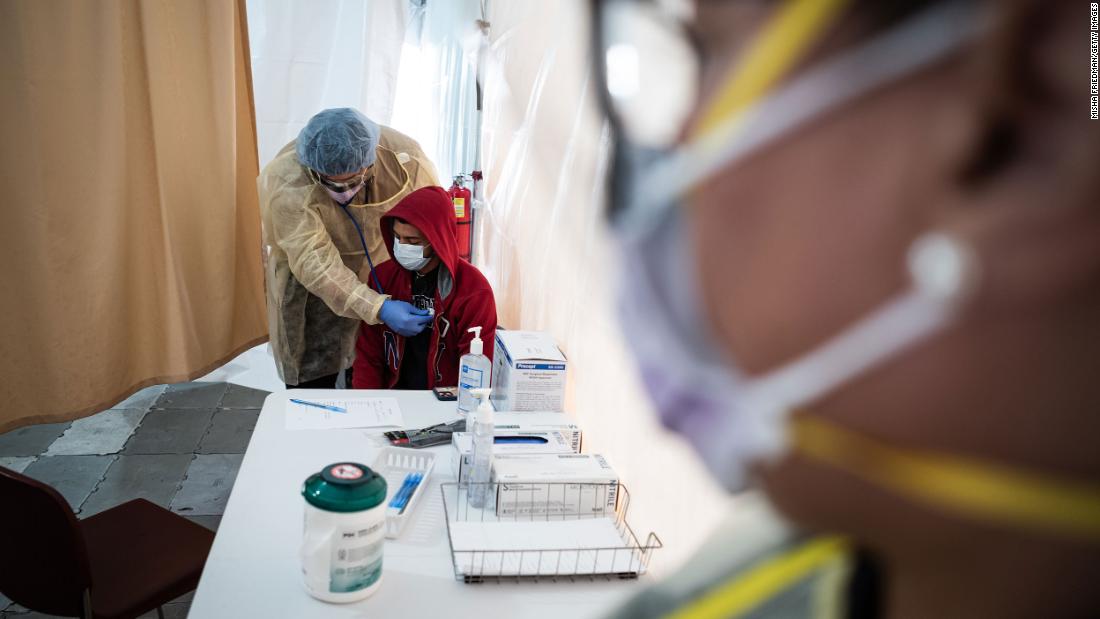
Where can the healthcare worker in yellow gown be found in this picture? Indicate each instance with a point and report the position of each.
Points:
(321, 199)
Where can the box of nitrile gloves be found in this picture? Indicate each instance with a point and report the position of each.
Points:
(555, 485)
(509, 422)
(509, 442)
(528, 372)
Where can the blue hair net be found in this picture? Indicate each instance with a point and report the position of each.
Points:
(338, 141)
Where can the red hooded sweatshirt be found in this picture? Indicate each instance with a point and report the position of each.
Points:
(463, 299)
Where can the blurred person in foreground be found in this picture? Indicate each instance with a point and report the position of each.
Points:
(874, 256)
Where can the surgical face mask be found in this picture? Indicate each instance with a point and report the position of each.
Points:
(410, 256)
(733, 419)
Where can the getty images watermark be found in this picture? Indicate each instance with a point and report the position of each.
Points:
(1094, 51)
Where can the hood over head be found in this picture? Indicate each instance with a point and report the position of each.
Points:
(431, 211)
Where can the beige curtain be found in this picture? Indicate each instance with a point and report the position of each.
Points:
(130, 233)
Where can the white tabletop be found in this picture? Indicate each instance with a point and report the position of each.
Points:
(254, 571)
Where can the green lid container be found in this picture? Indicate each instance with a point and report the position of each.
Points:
(345, 487)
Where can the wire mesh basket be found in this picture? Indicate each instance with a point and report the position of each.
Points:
(543, 531)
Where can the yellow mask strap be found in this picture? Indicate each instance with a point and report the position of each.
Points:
(963, 486)
(742, 593)
(784, 41)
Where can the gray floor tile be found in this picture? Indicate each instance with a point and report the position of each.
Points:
(170, 431)
(229, 432)
(184, 599)
(75, 477)
(172, 610)
(210, 522)
(176, 610)
(205, 490)
(154, 478)
(142, 399)
(30, 440)
(237, 396)
(191, 395)
(17, 464)
(103, 433)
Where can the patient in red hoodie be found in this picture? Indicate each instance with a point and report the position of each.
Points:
(420, 234)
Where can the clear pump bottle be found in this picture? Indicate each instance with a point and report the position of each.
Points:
(480, 425)
(474, 373)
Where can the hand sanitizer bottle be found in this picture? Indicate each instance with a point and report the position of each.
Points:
(474, 371)
(481, 426)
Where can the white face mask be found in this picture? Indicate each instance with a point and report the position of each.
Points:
(410, 256)
(731, 418)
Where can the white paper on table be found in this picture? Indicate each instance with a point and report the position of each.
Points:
(361, 413)
(589, 546)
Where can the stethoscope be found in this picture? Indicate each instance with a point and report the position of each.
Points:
(355, 222)
(363, 242)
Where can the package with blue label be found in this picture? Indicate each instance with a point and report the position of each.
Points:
(508, 422)
(507, 443)
(528, 372)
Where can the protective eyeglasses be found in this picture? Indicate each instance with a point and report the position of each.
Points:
(649, 58)
(650, 55)
(647, 63)
(346, 184)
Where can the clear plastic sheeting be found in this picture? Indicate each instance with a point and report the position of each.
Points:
(436, 98)
(547, 252)
(309, 55)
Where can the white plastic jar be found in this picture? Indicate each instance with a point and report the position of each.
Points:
(344, 532)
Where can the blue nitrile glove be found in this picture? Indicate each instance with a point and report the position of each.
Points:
(404, 318)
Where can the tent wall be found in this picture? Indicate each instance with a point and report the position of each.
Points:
(308, 55)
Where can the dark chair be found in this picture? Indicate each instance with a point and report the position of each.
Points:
(117, 564)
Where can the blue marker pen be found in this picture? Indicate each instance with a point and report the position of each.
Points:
(401, 499)
(399, 496)
(412, 490)
(335, 409)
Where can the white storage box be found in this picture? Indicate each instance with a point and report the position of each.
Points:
(528, 372)
(563, 485)
(463, 447)
(508, 422)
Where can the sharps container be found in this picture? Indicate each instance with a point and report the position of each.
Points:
(345, 527)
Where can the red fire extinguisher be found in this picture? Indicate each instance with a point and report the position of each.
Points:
(460, 198)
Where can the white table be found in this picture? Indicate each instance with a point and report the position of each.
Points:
(254, 571)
